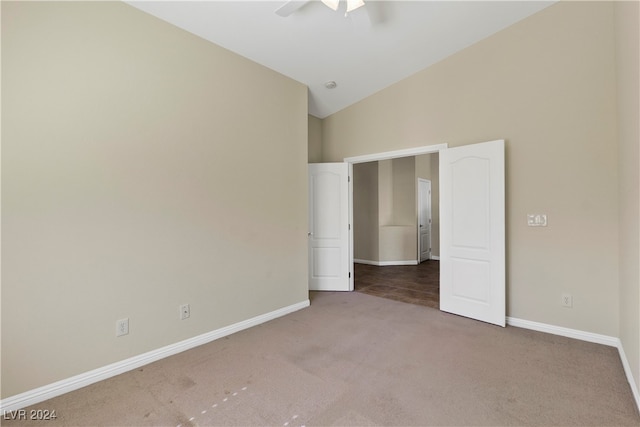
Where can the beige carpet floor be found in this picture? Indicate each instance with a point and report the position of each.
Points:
(358, 360)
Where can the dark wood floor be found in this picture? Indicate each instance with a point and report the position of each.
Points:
(415, 284)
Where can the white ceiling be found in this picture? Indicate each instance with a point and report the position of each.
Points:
(372, 48)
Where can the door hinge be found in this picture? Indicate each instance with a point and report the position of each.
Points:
(349, 275)
(349, 226)
(348, 178)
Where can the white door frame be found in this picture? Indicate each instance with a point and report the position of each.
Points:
(409, 152)
(420, 200)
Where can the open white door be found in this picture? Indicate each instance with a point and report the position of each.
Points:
(472, 231)
(329, 227)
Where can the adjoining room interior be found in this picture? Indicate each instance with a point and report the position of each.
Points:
(387, 229)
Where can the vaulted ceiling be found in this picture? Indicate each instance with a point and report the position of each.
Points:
(363, 52)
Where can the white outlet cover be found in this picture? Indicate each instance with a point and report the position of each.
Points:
(122, 327)
(185, 311)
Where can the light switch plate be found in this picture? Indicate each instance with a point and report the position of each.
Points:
(537, 220)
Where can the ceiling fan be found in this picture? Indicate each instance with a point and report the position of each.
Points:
(292, 5)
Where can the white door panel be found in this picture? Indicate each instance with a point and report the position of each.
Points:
(328, 227)
(472, 231)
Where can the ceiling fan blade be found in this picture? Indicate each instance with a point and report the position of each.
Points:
(289, 7)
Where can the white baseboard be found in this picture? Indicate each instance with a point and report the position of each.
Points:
(385, 263)
(58, 388)
(435, 257)
(365, 261)
(584, 336)
(565, 332)
(627, 371)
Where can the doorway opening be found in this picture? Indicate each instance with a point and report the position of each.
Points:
(391, 256)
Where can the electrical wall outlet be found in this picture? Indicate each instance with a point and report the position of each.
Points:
(567, 300)
(122, 327)
(185, 311)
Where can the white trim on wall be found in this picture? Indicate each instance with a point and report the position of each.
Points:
(384, 263)
(629, 374)
(435, 257)
(396, 154)
(583, 336)
(58, 388)
(565, 332)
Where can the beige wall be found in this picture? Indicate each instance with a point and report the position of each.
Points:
(423, 166)
(547, 86)
(404, 192)
(397, 186)
(384, 211)
(365, 211)
(398, 230)
(385, 192)
(142, 168)
(315, 140)
(627, 18)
